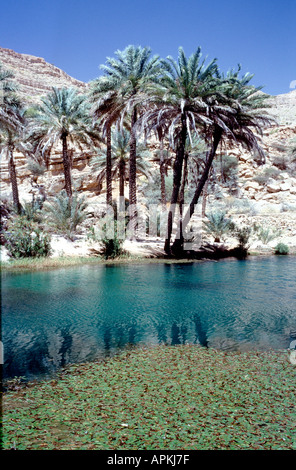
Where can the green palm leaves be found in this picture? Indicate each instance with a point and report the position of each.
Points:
(9, 101)
(177, 97)
(129, 72)
(117, 97)
(63, 117)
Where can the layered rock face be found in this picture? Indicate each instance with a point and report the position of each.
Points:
(35, 77)
(283, 108)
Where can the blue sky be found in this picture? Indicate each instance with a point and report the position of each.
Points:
(78, 35)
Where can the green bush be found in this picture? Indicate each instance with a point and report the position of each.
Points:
(266, 234)
(112, 247)
(281, 249)
(227, 166)
(281, 162)
(31, 211)
(25, 239)
(107, 237)
(265, 176)
(243, 236)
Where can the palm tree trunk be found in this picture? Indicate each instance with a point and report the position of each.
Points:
(162, 175)
(132, 175)
(122, 172)
(109, 169)
(67, 168)
(177, 175)
(121, 177)
(211, 155)
(204, 198)
(162, 185)
(179, 240)
(13, 180)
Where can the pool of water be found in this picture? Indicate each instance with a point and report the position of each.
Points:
(72, 315)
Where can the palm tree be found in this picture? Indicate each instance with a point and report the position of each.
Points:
(197, 151)
(12, 125)
(9, 101)
(117, 95)
(178, 106)
(120, 159)
(218, 225)
(11, 140)
(65, 213)
(164, 157)
(237, 111)
(103, 102)
(63, 117)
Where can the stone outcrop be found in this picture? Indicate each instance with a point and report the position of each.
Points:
(283, 108)
(34, 76)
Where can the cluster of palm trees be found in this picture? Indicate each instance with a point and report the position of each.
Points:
(140, 96)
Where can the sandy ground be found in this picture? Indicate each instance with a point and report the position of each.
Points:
(147, 248)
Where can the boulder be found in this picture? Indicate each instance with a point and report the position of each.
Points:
(252, 185)
(286, 186)
(273, 187)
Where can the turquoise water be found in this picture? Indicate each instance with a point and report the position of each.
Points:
(72, 315)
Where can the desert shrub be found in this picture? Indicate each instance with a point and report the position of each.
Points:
(111, 245)
(286, 207)
(91, 234)
(292, 151)
(281, 162)
(281, 249)
(151, 189)
(65, 214)
(107, 235)
(244, 206)
(25, 239)
(266, 175)
(243, 235)
(218, 225)
(31, 211)
(6, 210)
(259, 158)
(228, 169)
(35, 167)
(266, 234)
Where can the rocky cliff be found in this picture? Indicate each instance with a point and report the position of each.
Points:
(283, 108)
(34, 76)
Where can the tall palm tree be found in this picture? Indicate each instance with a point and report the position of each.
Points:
(197, 150)
(63, 117)
(238, 114)
(117, 93)
(11, 140)
(103, 112)
(9, 101)
(12, 126)
(164, 158)
(177, 104)
(120, 159)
